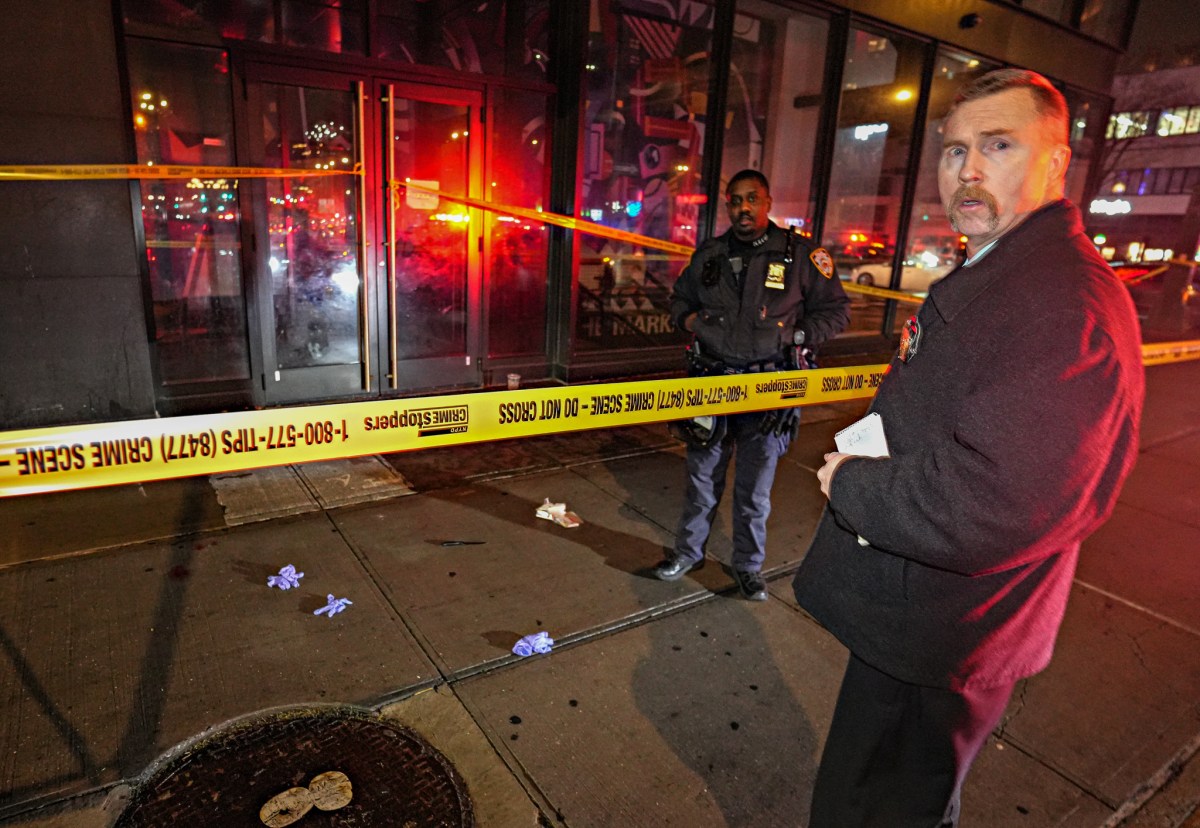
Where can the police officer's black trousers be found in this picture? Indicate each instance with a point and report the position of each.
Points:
(897, 753)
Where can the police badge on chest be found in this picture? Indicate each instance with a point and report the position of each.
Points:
(775, 274)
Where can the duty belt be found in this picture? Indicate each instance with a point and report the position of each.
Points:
(701, 365)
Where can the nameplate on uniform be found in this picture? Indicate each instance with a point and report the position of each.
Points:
(775, 273)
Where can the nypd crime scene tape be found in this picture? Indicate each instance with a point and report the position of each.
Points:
(135, 451)
(1161, 353)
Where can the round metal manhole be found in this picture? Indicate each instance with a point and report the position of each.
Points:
(316, 768)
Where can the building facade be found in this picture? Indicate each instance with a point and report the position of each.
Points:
(1150, 169)
(368, 198)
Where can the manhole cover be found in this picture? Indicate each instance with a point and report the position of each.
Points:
(397, 778)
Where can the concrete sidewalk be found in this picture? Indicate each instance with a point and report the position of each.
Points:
(136, 625)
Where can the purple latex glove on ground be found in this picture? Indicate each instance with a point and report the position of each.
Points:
(334, 606)
(539, 642)
(287, 578)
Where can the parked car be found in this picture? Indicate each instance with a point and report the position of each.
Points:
(1167, 299)
(917, 274)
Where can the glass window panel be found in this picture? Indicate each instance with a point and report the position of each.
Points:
(1162, 179)
(1057, 10)
(1129, 125)
(182, 115)
(1085, 142)
(241, 20)
(313, 226)
(517, 274)
(1164, 123)
(646, 89)
(501, 37)
(1175, 185)
(1147, 181)
(774, 106)
(881, 78)
(1192, 179)
(329, 25)
(432, 146)
(1178, 119)
(1193, 121)
(1135, 182)
(1105, 20)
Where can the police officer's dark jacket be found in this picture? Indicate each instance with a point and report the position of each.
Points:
(751, 316)
(1011, 425)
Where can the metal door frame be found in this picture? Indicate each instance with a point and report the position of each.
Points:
(377, 374)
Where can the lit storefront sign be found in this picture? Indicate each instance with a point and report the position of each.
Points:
(1111, 207)
(865, 131)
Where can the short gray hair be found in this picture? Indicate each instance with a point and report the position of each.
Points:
(1049, 102)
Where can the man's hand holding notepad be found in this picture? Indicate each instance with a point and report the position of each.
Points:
(863, 439)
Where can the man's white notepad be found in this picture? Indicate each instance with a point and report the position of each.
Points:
(864, 438)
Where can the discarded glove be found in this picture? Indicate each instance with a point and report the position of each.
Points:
(287, 578)
(558, 513)
(539, 642)
(334, 606)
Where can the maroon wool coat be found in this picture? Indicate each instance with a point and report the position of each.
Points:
(1010, 429)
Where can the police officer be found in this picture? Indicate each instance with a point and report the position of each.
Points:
(754, 298)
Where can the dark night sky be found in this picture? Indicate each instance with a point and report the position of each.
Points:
(1165, 32)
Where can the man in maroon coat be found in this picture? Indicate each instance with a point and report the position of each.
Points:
(1011, 417)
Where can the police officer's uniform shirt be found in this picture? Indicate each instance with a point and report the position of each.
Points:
(740, 253)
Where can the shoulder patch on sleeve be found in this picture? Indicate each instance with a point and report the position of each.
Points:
(822, 261)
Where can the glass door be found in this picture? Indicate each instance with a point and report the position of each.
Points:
(309, 267)
(362, 266)
(432, 157)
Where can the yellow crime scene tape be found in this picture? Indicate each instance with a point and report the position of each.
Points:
(135, 451)
(883, 293)
(569, 222)
(1160, 353)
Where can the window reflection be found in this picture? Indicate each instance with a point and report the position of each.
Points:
(431, 149)
(502, 37)
(182, 115)
(312, 223)
(517, 273)
(1086, 136)
(319, 24)
(247, 20)
(1106, 20)
(646, 89)
(881, 80)
(774, 96)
